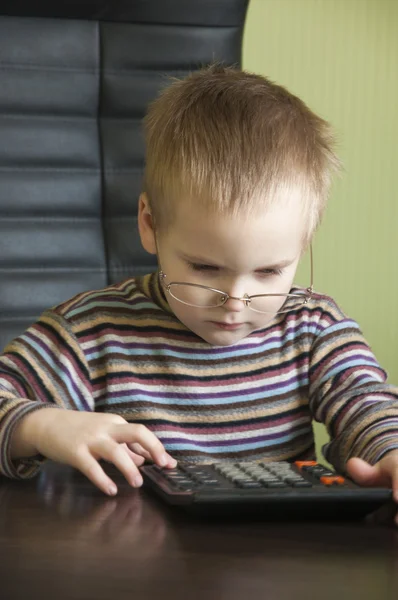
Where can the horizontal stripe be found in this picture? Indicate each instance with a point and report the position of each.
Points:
(203, 399)
(234, 435)
(137, 349)
(232, 445)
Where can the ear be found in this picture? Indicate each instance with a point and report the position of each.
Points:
(145, 225)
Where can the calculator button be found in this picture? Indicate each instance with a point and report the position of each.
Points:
(186, 486)
(177, 479)
(250, 484)
(336, 479)
(302, 484)
(268, 479)
(305, 463)
(209, 482)
(238, 478)
(319, 475)
(319, 470)
(172, 483)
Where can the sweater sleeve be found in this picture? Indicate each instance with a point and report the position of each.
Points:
(349, 393)
(44, 367)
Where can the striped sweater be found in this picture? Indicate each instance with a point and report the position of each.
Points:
(122, 350)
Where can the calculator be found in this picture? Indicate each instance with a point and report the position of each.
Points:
(270, 490)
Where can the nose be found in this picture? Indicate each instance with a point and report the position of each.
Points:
(235, 288)
(234, 305)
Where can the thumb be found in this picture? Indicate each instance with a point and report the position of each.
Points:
(363, 473)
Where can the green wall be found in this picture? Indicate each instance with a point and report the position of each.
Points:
(341, 58)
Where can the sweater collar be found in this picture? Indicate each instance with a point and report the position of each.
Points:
(151, 287)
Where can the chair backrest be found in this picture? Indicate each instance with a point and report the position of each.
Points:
(75, 80)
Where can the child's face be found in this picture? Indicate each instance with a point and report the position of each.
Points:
(238, 255)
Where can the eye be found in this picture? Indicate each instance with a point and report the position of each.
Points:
(202, 267)
(270, 272)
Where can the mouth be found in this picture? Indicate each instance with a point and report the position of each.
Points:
(226, 326)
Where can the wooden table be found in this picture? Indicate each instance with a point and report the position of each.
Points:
(61, 539)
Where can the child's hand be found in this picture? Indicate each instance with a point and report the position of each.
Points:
(80, 439)
(382, 474)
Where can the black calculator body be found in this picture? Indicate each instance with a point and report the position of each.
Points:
(272, 491)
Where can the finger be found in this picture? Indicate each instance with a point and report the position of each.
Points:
(136, 433)
(136, 458)
(363, 473)
(138, 449)
(117, 454)
(89, 466)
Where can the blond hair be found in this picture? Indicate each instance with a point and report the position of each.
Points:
(233, 141)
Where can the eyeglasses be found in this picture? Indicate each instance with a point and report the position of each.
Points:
(201, 296)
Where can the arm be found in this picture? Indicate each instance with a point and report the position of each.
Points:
(44, 367)
(350, 395)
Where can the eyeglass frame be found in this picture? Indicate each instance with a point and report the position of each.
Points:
(246, 299)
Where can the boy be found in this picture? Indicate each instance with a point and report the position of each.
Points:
(216, 356)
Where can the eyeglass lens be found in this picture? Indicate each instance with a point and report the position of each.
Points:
(206, 298)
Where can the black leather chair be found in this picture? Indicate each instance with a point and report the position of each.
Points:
(75, 80)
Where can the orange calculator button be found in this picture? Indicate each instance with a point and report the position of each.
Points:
(331, 480)
(305, 463)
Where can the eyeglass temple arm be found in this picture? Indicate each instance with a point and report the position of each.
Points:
(311, 288)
